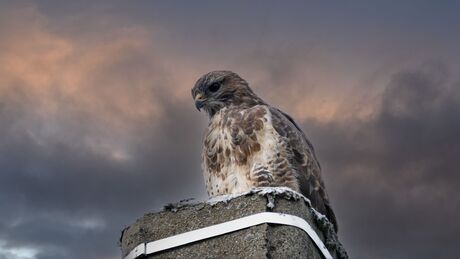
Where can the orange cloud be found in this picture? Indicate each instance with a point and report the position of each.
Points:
(112, 82)
(119, 77)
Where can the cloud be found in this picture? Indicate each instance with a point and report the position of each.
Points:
(87, 134)
(394, 175)
(99, 127)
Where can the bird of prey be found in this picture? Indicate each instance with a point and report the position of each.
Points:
(249, 143)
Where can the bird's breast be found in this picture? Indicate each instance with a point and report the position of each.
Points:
(236, 141)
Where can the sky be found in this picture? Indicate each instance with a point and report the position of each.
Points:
(98, 125)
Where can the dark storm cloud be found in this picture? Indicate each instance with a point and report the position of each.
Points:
(63, 198)
(394, 178)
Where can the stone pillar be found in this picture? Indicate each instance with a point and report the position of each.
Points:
(261, 241)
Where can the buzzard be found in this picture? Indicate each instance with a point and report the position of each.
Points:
(249, 143)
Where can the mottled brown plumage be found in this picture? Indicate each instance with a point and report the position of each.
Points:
(251, 144)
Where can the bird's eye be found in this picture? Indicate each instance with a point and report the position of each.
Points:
(214, 87)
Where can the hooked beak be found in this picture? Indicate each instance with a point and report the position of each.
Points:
(199, 101)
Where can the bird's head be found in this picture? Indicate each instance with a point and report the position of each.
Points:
(218, 89)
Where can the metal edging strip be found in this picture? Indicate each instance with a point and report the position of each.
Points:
(228, 227)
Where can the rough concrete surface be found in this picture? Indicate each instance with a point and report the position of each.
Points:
(262, 241)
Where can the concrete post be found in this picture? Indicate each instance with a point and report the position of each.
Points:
(262, 241)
